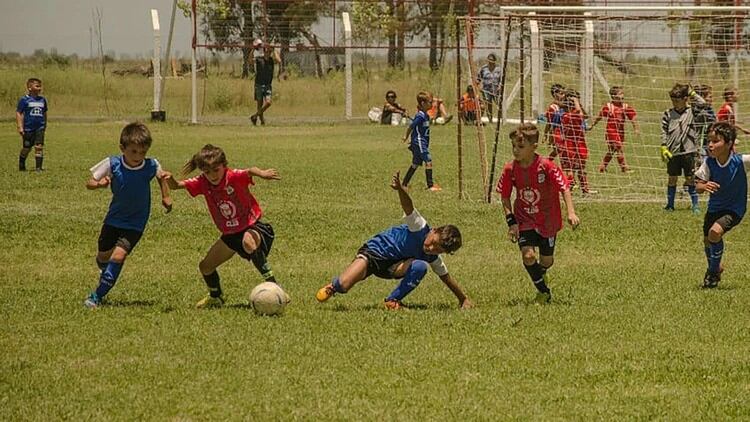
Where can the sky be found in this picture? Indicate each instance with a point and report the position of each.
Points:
(28, 25)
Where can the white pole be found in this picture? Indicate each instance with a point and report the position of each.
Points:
(348, 63)
(537, 62)
(169, 50)
(587, 65)
(156, 63)
(193, 78)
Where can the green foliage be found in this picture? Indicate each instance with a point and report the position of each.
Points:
(221, 98)
(629, 335)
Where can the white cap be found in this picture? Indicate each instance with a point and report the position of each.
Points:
(257, 43)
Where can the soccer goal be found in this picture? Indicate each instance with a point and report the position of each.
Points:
(643, 50)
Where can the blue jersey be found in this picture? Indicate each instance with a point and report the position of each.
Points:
(33, 110)
(131, 191)
(420, 132)
(732, 180)
(406, 241)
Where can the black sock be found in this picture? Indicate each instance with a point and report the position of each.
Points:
(536, 272)
(39, 162)
(212, 281)
(21, 162)
(409, 174)
(428, 176)
(258, 258)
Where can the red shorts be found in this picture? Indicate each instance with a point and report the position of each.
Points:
(574, 155)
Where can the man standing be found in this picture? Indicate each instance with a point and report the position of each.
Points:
(489, 76)
(265, 59)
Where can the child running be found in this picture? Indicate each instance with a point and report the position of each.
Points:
(616, 112)
(723, 176)
(235, 212)
(419, 134)
(535, 217)
(402, 252)
(128, 176)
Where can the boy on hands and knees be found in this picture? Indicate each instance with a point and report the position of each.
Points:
(535, 217)
(402, 252)
(723, 176)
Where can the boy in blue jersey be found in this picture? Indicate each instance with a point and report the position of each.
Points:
(723, 176)
(419, 134)
(129, 177)
(31, 120)
(402, 252)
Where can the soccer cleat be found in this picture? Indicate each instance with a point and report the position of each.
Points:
(668, 208)
(711, 280)
(93, 301)
(393, 304)
(254, 119)
(210, 302)
(542, 298)
(21, 168)
(695, 209)
(435, 188)
(325, 293)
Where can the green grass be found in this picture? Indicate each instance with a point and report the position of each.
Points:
(629, 334)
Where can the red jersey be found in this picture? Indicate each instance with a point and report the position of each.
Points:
(726, 114)
(468, 103)
(232, 206)
(574, 136)
(616, 115)
(553, 118)
(538, 187)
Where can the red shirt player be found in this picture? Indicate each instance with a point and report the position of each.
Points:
(535, 216)
(552, 131)
(616, 112)
(235, 212)
(575, 152)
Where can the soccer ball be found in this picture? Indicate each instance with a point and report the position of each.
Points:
(268, 299)
(440, 121)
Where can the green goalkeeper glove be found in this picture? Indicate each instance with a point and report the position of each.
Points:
(666, 155)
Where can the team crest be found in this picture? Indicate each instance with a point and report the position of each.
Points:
(540, 178)
(230, 190)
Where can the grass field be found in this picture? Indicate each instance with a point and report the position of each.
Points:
(629, 334)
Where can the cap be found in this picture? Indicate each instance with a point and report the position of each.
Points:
(257, 43)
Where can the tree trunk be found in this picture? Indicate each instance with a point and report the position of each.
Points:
(432, 28)
(391, 34)
(400, 33)
(247, 35)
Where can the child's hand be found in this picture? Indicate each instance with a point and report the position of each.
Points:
(573, 220)
(712, 187)
(165, 175)
(665, 153)
(167, 203)
(103, 182)
(513, 233)
(20, 131)
(270, 174)
(467, 304)
(396, 182)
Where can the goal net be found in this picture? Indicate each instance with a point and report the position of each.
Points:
(601, 54)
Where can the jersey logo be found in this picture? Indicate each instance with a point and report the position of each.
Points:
(540, 177)
(531, 197)
(228, 211)
(230, 190)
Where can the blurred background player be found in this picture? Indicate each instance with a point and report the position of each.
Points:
(553, 116)
(726, 111)
(438, 113)
(418, 136)
(402, 252)
(265, 59)
(535, 217)
(616, 112)
(391, 108)
(575, 152)
(489, 78)
(724, 176)
(31, 121)
(128, 176)
(469, 106)
(679, 143)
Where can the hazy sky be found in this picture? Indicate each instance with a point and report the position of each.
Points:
(27, 25)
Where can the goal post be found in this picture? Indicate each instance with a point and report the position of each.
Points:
(644, 50)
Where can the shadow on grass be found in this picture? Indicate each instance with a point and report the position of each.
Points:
(529, 301)
(407, 307)
(138, 303)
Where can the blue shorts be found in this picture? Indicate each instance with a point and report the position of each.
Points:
(418, 157)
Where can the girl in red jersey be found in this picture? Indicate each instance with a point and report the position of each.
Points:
(535, 217)
(575, 152)
(235, 212)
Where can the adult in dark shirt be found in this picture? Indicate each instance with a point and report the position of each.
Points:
(265, 60)
(390, 107)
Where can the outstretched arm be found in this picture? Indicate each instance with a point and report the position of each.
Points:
(463, 300)
(596, 120)
(93, 184)
(268, 174)
(171, 182)
(166, 198)
(406, 204)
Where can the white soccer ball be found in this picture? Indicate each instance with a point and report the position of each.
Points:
(268, 299)
(440, 121)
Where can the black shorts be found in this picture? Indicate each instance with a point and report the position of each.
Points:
(528, 238)
(112, 236)
(33, 138)
(262, 92)
(725, 219)
(381, 267)
(682, 165)
(234, 240)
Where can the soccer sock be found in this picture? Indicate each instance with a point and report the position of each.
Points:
(102, 265)
(621, 159)
(22, 162)
(714, 259)
(428, 176)
(583, 178)
(536, 272)
(414, 275)
(671, 191)
(38, 157)
(408, 176)
(336, 283)
(108, 278)
(258, 258)
(707, 251)
(212, 281)
(607, 159)
(693, 195)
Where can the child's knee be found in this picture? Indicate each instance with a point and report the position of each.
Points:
(715, 234)
(418, 268)
(428, 164)
(118, 255)
(250, 241)
(529, 256)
